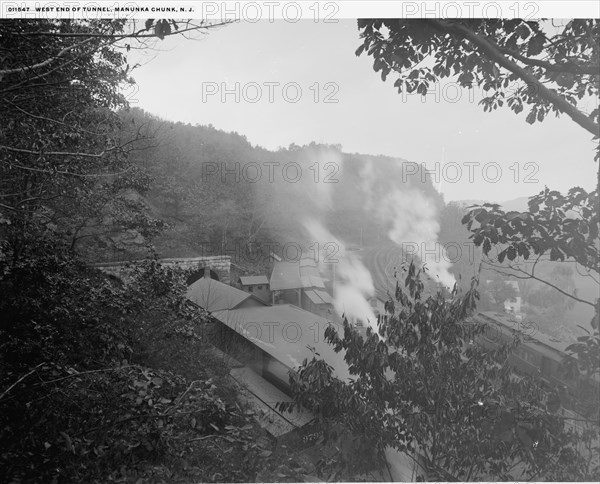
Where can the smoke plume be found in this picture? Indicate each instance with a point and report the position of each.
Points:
(353, 282)
(409, 215)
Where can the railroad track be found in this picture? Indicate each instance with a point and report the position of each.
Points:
(384, 262)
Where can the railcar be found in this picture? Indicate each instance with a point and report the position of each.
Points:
(539, 356)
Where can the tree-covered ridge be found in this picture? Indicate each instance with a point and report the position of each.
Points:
(217, 191)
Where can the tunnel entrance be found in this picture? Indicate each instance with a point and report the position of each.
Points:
(199, 274)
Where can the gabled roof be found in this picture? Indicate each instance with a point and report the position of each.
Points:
(215, 296)
(324, 296)
(253, 280)
(295, 275)
(286, 332)
(285, 275)
(312, 295)
(318, 297)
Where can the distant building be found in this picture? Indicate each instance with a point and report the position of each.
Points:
(514, 305)
(318, 301)
(256, 285)
(301, 283)
(214, 296)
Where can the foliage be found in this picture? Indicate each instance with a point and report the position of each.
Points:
(547, 300)
(60, 135)
(525, 64)
(65, 160)
(556, 227)
(77, 404)
(422, 387)
(466, 261)
(100, 381)
(560, 226)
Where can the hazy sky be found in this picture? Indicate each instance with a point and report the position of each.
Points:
(185, 83)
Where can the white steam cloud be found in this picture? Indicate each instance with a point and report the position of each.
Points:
(401, 207)
(354, 285)
(411, 216)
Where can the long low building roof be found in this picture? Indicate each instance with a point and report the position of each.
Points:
(287, 333)
(548, 345)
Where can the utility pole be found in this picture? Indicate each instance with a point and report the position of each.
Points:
(333, 280)
(439, 188)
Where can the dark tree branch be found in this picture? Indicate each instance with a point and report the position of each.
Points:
(493, 52)
(133, 35)
(567, 67)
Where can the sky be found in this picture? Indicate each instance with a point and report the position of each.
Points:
(279, 83)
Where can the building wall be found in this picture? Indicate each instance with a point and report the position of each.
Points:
(247, 353)
(326, 311)
(287, 296)
(309, 306)
(276, 373)
(264, 293)
(219, 264)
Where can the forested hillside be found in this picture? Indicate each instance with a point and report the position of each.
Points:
(213, 192)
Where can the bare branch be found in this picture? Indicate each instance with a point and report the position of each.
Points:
(69, 173)
(79, 373)
(498, 268)
(68, 153)
(24, 69)
(5, 392)
(44, 118)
